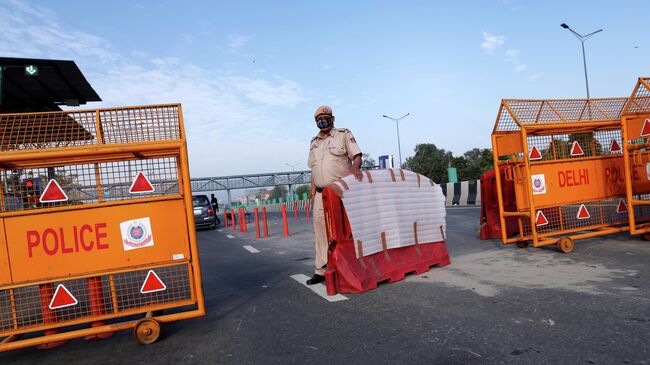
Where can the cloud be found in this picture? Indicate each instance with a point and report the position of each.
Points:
(224, 113)
(237, 40)
(512, 56)
(536, 76)
(492, 42)
(35, 31)
(284, 93)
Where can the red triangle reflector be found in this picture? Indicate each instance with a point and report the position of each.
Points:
(152, 283)
(53, 193)
(576, 150)
(534, 154)
(583, 213)
(540, 219)
(622, 207)
(645, 130)
(615, 147)
(141, 185)
(62, 298)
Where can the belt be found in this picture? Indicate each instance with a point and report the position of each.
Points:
(319, 190)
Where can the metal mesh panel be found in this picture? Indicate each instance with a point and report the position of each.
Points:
(79, 128)
(558, 146)
(505, 122)
(21, 189)
(564, 218)
(47, 130)
(642, 212)
(525, 111)
(640, 101)
(567, 110)
(117, 177)
(146, 124)
(127, 287)
(105, 295)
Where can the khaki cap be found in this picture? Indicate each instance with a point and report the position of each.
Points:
(323, 109)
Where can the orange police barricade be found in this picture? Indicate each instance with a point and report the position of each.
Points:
(97, 225)
(636, 152)
(380, 229)
(566, 161)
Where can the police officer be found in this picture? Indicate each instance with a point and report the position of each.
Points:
(333, 154)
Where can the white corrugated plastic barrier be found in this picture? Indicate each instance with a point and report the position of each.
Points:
(387, 205)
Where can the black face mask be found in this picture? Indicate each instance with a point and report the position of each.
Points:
(324, 123)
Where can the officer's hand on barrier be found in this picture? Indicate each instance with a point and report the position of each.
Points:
(357, 174)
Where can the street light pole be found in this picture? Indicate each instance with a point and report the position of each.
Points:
(584, 58)
(399, 147)
(292, 165)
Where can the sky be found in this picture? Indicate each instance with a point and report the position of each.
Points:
(250, 74)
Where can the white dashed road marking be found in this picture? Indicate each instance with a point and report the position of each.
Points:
(318, 288)
(230, 236)
(251, 249)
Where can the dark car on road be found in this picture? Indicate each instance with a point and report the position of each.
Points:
(203, 213)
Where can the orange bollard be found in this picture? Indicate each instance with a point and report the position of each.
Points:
(240, 212)
(232, 218)
(243, 220)
(46, 292)
(257, 223)
(97, 308)
(266, 224)
(225, 218)
(284, 220)
(295, 211)
(307, 210)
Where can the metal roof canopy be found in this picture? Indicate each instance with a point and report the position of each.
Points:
(58, 82)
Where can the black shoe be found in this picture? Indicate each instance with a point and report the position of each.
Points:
(316, 279)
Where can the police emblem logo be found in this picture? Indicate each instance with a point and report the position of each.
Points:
(136, 233)
(539, 184)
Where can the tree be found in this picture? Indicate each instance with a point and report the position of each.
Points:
(279, 191)
(460, 163)
(487, 160)
(367, 161)
(473, 164)
(429, 161)
(302, 189)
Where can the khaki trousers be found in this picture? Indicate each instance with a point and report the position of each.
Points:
(320, 235)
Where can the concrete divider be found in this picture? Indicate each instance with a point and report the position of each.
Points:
(462, 193)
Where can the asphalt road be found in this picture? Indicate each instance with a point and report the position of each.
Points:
(493, 304)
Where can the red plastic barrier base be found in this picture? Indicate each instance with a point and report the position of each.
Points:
(351, 275)
(348, 274)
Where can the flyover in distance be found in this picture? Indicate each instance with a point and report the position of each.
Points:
(252, 181)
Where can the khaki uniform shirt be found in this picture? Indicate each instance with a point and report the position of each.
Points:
(330, 156)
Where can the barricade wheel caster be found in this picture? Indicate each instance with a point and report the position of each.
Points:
(147, 331)
(523, 244)
(565, 244)
(646, 236)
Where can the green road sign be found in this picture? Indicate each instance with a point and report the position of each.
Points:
(31, 70)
